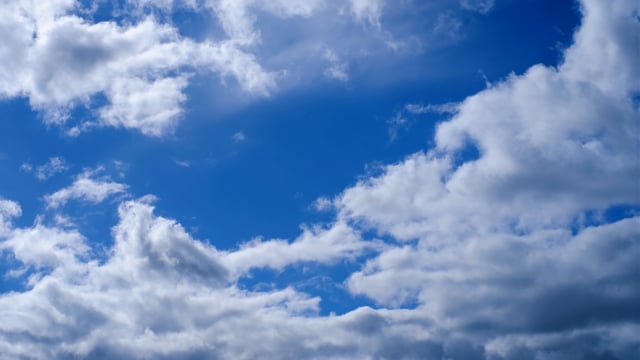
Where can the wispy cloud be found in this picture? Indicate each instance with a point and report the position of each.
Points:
(239, 137)
(54, 166)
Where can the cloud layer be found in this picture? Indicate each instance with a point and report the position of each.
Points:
(513, 253)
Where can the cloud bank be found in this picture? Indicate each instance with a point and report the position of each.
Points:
(528, 251)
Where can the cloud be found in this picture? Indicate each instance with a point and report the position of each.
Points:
(316, 244)
(481, 6)
(367, 10)
(397, 123)
(239, 137)
(54, 166)
(508, 254)
(61, 61)
(8, 210)
(132, 68)
(154, 295)
(449, 25)
(337, 69)
(86, 188)
(514, 241)
(417, 109)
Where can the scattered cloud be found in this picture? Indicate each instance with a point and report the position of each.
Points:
(449, 26)
(501, 256)
(239, 137)
(402, 119)
(396, 124)
(481, 6)
(141, 68)
(447, 108)
(322, 204)
(337, 69)
(88, 187)
(132, 70)
(368, 11)
(54, 166)
(182, 163)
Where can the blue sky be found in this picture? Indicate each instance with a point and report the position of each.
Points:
(319, 179)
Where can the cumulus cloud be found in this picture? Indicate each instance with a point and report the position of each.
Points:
(60, 61)
(88, 187)
(160, 293)
(8, 210)
(132, 69)
(513, 241)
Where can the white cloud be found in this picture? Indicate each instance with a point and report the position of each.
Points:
(367, 10)
(337, 69)
(8, 210)
(150, 107)
(481, 6)
(54, 166)
(397, 123)
(132, 70)
(316, 244)
(544, 138)
(86, 187)
(61, 61)
(322, 204)
(449, 26)
(499, 245)
(154, 295)
(447, 108)
(239, 137)
(183, 163)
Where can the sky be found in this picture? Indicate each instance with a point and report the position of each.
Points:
(320, 179)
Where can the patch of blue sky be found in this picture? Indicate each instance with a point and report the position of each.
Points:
(326, 281)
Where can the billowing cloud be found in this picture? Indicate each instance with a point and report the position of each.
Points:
(60, 60)
(515, 241)
(132, 70)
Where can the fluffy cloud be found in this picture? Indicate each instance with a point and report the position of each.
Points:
(159, 292)
(515, 240)
(132, 70)
(86, 187)
(8, 210)
(340, 241)
(61, 60)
